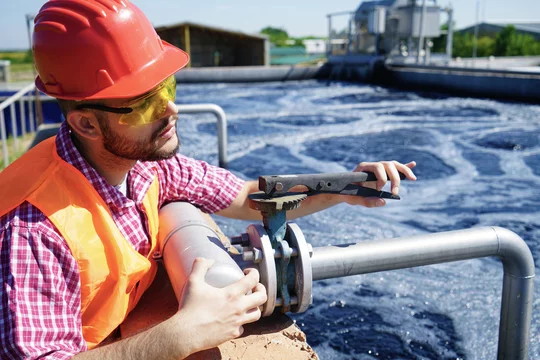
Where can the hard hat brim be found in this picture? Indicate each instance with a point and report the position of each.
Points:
(172, 60)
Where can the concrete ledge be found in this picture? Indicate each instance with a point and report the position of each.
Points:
(246, 74)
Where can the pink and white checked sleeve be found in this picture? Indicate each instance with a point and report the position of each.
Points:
(206, 186)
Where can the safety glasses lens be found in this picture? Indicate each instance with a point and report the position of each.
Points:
(152, 106)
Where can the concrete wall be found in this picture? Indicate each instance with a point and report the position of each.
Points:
(500, 84)
(497, 62)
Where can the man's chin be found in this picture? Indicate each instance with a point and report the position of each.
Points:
(165, 152)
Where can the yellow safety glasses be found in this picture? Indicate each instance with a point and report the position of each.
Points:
(145, 109)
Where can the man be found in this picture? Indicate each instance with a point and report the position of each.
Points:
(78, 218)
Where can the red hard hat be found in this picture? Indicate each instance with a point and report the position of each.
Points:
(99, 49)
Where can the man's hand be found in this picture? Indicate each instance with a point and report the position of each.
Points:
(239, 209)
(210, 316)
(381, 169)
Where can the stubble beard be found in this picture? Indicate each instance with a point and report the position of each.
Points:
(137, 150)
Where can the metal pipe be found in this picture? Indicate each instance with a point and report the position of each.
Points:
(450, 34)
(3, 137)
(221, 126)
(23, 117)
(421, 34)
(329, 42)
(382, 255)
(185, 235)
(475, 43)
(19, 94)
(14, 128)
(349, 33)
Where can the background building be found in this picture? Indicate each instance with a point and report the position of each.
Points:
(210, 46)
(315, 46)
(491, 29)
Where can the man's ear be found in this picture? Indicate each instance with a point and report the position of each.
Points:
(84, 123)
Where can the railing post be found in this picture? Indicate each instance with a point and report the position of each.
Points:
(14, 127)
(23, 117)
(4, 138)
(31, 115)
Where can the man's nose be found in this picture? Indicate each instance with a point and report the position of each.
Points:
(171, 110)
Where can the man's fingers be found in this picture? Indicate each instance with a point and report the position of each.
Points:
(393, 173)
(376, 168)
(252, 315)
(256, 298)
(238, 332)
(200, 267)
(406, 169)
(245, 284)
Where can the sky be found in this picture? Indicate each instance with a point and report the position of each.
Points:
(297, 17)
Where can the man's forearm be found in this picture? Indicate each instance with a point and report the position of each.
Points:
(164, 341)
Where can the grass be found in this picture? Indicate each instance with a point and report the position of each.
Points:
(21, 67)
(16, 57)
(13, 153)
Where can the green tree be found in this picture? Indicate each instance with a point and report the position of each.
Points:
(510, 43)
(504, 40)
(277, 36)
(485, 46)
(439, 43)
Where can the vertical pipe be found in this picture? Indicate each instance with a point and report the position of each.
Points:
(221, 126)
(450, 35)
(267, 52)
(518, 264)
(31, 114)
(187, 40)
(222, 136)
(349, 35)
(23, 117)
(329, 43)
(427, 58)
(14, 128)
(475, 43)
(4, 138)
(421, 34)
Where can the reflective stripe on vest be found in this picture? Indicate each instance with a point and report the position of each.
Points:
(113, 274)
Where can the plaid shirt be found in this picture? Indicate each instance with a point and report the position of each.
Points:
(40, 301)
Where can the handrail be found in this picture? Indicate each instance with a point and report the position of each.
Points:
(16, 96)
(383, 255)
(221, 126)
(10, 102)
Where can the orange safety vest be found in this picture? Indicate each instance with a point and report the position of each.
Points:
(113, 274)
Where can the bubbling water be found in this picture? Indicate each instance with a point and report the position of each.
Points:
(478, 165)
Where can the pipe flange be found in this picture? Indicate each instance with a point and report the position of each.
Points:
(302, 268)
(267, 267)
